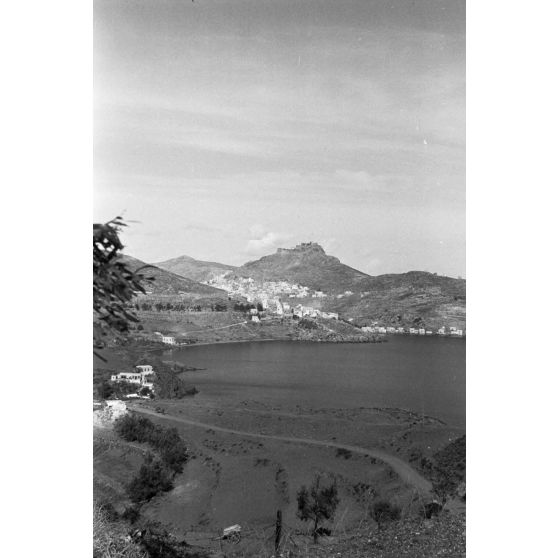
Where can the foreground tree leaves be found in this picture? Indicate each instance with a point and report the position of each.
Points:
(114, 284)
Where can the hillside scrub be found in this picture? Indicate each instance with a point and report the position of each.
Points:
(446, 468)
(166, 441)
(383, 512)
(317, 504)
(109, 538)
(152, 479)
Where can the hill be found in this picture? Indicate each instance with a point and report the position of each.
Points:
(168, 283)
(306, 264)
(197, 270)
(414, 298)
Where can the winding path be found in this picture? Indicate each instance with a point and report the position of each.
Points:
(402, 468)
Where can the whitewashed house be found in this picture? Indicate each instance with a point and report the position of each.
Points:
(130, 377)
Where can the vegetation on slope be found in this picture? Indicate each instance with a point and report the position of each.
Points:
(196, 270)
(165, 282)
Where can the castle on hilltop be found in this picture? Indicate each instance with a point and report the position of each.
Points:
(302, 247)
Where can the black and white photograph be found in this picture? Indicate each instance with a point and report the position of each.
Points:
(279, 278)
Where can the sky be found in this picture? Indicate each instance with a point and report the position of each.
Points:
(224, 129)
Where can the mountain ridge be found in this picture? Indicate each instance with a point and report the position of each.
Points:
(166, 282)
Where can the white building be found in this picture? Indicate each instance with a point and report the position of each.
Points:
(391, 330)
(255, 319)
(422, 331)
(139, 377)
(442, 331)
(168, 340)
(382, 329)
(428, 332)
(400, 330)
(413, 331)
(130, 377)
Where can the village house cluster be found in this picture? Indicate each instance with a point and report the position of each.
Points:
(142, 376)
(450, 332)
(265, 292)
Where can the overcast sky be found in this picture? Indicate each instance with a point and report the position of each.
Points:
(227, 128)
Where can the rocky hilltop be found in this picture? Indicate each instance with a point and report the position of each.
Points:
(306, 264)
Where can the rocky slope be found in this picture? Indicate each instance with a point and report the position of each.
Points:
(197, 270)
(416, 298)
(306, 264)
(168, 283)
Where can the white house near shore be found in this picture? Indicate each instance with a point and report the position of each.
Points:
(139, 377)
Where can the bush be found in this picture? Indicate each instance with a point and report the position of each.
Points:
(345, 453)
(131, 514)
(166, 441)
(383, 512)
(153, 478)
(160, 544)
(109, 539)
(317, 504)
(133, 428)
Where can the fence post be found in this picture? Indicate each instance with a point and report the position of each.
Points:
(278, 532)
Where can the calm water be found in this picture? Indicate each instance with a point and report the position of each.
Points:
(426, 375)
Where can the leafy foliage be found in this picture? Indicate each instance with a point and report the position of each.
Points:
(317, 503)
(166, 441)
(153, 478)
(114, 283)
(159, 543)
(384, 511)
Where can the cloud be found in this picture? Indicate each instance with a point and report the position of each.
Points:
(262, 241)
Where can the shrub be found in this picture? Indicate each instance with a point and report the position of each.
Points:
(109, 539)
(133, 428)
(383, 512)
(345, 453)
(153, 478)
(317, 504)
(166, 441)
(131, 514)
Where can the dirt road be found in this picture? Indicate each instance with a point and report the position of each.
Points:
(402, 468)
